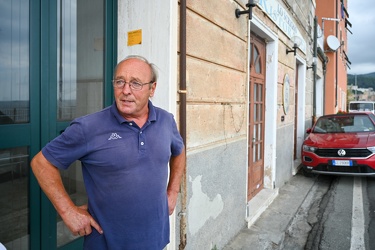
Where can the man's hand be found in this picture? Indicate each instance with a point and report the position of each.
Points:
(79, 221)
(172, 200)
(177, 165)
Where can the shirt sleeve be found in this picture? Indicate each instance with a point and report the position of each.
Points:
(177, 141)
(67, 147)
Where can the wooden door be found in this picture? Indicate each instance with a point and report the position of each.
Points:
(256, 116)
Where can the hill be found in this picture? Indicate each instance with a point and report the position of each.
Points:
(363, 81)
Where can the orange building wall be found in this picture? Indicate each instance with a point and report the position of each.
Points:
(336, 74)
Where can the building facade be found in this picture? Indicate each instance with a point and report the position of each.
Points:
(243, 90)
(333, 17)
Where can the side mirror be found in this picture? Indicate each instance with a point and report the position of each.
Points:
(308, 131)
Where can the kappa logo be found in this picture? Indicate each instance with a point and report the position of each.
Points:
(114, 136)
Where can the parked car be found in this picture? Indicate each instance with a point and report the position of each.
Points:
(356, 106)
(341, 144)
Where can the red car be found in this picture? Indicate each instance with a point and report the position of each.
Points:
(341, 144)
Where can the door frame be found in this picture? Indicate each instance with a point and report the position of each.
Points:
(256, 41)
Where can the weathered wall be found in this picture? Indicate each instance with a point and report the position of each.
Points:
(216, 123)
(217, 111)
(284, 155)
(294, 117)
(217, 195)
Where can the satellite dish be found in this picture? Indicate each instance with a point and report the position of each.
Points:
(333, 43)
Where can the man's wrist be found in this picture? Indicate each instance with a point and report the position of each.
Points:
(172, 191)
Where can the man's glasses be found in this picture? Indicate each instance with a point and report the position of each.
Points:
(134, 85)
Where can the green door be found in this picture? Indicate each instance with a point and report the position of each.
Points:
(56, 57)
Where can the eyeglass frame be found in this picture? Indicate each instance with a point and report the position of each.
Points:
(131, 86)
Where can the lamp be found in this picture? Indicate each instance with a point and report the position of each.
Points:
(250, 5)
(310, 67)
(313, 63)
(296, 43)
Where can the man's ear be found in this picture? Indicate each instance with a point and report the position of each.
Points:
(153, 87)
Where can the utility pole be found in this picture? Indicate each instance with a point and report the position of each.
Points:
(356, 87)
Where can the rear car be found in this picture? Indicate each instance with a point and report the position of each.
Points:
(341, 144)
(358, 106)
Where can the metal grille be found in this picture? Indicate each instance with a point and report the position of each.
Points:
(350, 152)
(338, 169)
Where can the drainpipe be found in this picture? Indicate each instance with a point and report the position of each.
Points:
(314, 68)
(324, 58)
(318, 52)
(182, 117)
(337, 58)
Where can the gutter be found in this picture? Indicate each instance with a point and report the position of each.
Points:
(337, 58)
(324, 59)
(182, 120)
(314, 68)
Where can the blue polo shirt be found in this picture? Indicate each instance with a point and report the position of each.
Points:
(125, 170)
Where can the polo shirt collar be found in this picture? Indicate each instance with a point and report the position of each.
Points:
(120, 119)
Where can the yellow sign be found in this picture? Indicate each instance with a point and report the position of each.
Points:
(134, 37)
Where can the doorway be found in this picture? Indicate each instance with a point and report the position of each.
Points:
(256, 116)
(54, 69)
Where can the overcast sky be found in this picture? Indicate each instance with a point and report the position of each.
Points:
(361, 49)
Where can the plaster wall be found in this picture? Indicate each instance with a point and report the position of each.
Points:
(155, 24)
(284, 155)
(216, 194)
(217, 115)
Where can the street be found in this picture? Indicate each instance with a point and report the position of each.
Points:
(338, 213)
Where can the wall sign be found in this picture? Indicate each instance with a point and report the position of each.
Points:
(286, 88)
(276, 11)
(134, 37)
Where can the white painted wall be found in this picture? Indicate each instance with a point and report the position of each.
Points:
(319, 97)
(158, 22)
(300, 107)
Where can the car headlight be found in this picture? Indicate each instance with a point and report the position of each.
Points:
(309, 148)
(372, 149)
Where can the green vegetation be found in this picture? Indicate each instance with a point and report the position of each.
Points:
(363, 81)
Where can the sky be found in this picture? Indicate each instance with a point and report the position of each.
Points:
(361, 49)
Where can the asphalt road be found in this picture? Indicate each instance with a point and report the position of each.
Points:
(339, 213)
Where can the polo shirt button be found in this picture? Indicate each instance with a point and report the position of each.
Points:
(131, 124)
(142, 143)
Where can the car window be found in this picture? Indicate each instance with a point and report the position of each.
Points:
(344, 124)
(327, 125)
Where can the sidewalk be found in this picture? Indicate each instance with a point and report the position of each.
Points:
(268, 231)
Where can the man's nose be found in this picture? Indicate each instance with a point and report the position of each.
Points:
(126, 88)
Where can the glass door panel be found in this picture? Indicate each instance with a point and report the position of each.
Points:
(73, 182)
(80, 58)
(14, 212)
(14, 124)
(66, 60)
(80, 83)
(14, 62)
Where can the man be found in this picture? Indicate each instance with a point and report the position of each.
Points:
(124, 150)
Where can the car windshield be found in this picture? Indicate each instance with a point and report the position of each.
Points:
(344, 124)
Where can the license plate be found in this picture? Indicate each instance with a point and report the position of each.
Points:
(342, 163)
